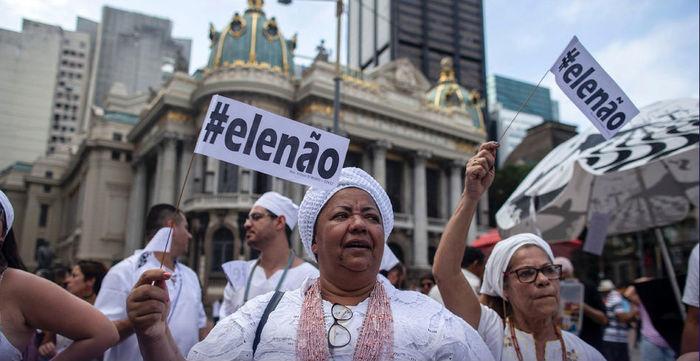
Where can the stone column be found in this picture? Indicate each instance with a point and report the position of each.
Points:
(154, 188)
(185, 156)
(277, 185)
(456, 170)
(137, 208)
(166, 188)
(420, 212)
(379, 164)
(211, 174)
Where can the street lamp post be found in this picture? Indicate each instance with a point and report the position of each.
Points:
(338, 74)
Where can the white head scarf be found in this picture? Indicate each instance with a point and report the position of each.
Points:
(160, 240)
(500, 259)
(280, 206)
(9, 212)
(315, 199)
(566, 265)
(389, 260)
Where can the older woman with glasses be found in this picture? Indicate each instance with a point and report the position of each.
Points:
(520, 287)
(347, 313)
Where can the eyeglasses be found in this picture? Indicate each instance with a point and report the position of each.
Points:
(259, 216)
(529, 274)
(338, 335)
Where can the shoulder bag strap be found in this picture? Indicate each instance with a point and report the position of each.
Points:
(263, 320)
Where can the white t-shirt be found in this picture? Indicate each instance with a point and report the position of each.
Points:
(498, 339)
(473, 280)
(423, 330)
(690, 294)
(186, 315)
(260, 285)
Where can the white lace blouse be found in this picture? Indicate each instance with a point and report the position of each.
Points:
(423, 330)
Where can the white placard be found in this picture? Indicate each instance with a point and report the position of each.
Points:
(571, 305)
(597, 231)
(593, 91)
(236, 273)
(242, 134)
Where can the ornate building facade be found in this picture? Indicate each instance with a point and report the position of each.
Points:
(412, 136)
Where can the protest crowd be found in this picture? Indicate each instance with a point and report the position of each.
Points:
(348, 299)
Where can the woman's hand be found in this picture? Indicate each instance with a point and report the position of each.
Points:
(147, 304)
(480, 171)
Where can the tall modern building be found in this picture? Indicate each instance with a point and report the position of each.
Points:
(136, 50)
(29, 63)
(424, 31)
(506, 96)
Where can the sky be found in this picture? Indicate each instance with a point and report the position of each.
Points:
(650, 48)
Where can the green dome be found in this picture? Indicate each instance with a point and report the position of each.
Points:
(448, 94)
(251, 38)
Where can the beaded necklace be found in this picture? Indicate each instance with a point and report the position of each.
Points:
(516, 346)
(376, 340)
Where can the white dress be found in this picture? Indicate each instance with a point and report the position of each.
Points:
(690, 293)
(498, 339)
(260, 285)
(186, 310)
(423, 330)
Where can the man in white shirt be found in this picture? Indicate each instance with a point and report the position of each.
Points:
(472, 268)
(186, 319)
(689, 342)
(268, 229)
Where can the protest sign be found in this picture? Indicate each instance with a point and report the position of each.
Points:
(242, 134)
(571, 305)
(596, 233)
(236, 273)
(593, 91)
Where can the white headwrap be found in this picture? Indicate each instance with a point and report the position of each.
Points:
(389, 259)
(160, 240)
(9, 212)
(280, 206)
(500, 259)
(315, 199)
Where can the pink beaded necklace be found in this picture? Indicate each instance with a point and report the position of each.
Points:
(376, 340)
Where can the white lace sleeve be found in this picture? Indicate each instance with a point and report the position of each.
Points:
(232, 338)
(461, 342)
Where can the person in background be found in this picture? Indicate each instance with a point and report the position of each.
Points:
(472, 268)
(594, 318)
(186, 317)
(620, 314)
(28, 303)
(427, 282)
(268, 229)
(653, 347)
(689, 342)
(397, 276)
(84, 282)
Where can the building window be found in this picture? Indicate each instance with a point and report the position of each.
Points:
(47, 188)
(117, 137)
(48, 174)
(115, 155)
(262, 184)
(222, 244)
(128, 157)
(432, 177)
(394, 178)
(43, 215)
(228, 178)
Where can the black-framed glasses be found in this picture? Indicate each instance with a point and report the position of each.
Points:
(529, 274)
(339, 335)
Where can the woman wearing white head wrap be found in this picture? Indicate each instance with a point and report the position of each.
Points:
(24, 308)
(520, 286)
(348, 313)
